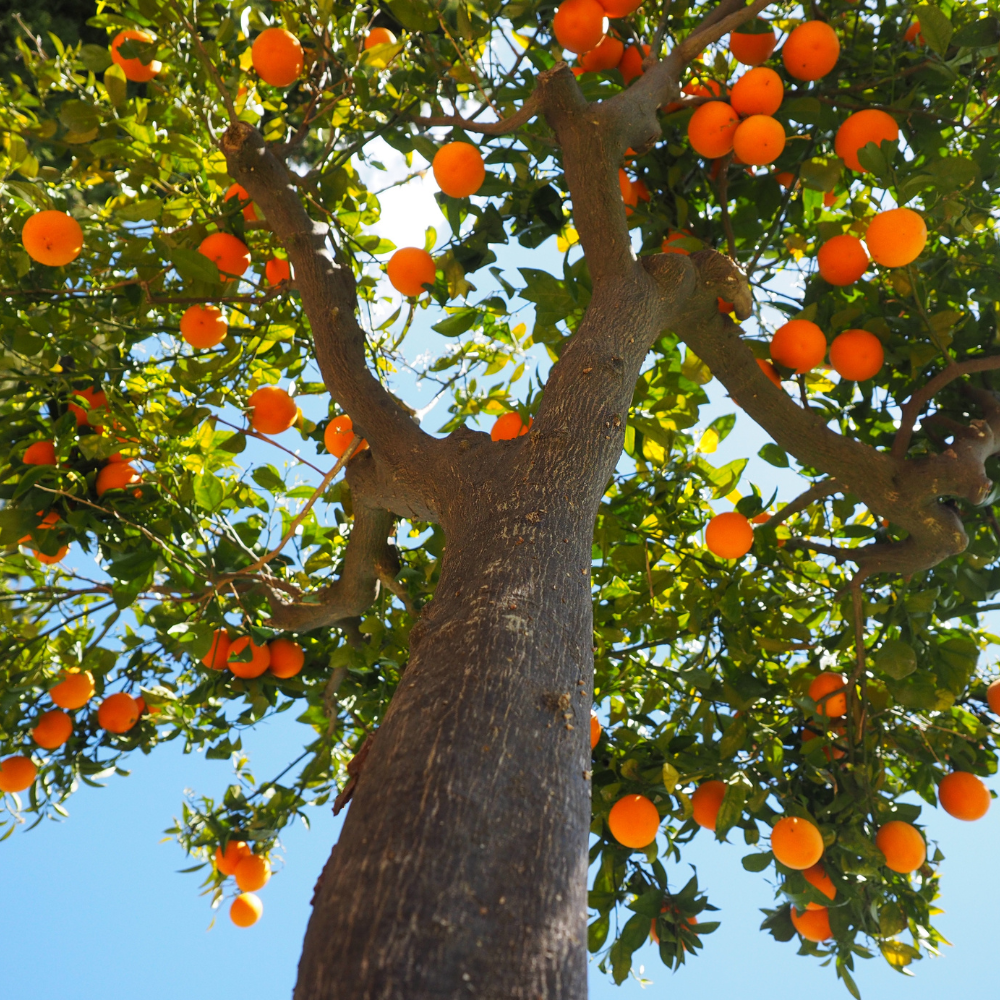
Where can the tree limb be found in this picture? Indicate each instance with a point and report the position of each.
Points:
(817, 490)
(524, 114)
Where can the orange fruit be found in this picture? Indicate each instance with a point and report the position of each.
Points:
(813, 925)
(240, 192)
(896, 238)
(631, 63)
(40, 453)
(287, 657)
(671, 238)
(118, 713)
(913, 32)
(578, 25)
(633, 821)
(829, 199)
(339, 434)
(829, 691)
(203, 326)
(607, 54)
(74, 690)
(410, 268)
(258, 664)
(711, 129)
(95, 400)
(640, 190)
(49, 560)
(759, 139)
(831, 753)
(595, 730)
(246, 910)
(277, 270)
(842, 260)
(856, 355)
(53, 730)
(134, 69)
(252, 873)
(52, 238)
(706, 801)
(458, 169)
(964, 796)
(817, 877)
(230, 255)
(47, 522)
(115, 476)
(277, 57)
(785, 178)
(811, 50)
(729, 535)
(379, 36)
(993, 697)
(799, 345)
(509, 426)
(702, 88)
(796, 842)
(768, 369)
(273, 410)
(752, 50)
(17, 774)
(627, 189)
(218, 654)
(870, 125)
(620, 8)
(903, 846)
(235, 852)
(758, 92)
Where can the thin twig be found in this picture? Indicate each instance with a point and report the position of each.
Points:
(821, 489)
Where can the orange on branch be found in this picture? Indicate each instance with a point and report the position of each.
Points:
(796, 842)
(785, 178)
(817, 877)
(509, 426)
(595, 730)
(964, 796)
(811, 50)
(458, 169)
(913, 34)
(627, 189)
(896, 237)
(229, 254)
(702, 88)
(752, 49)
(203, 326)
(259, 662)
(856, 355)
(277, 57)
(607, 54)
(94, 399)
(218, 653)
(53, 730)
(729, 535)
(903, 846)
(409, 269)
(831, 753)
(769, 370)
(246, 910)
(993, 697)
(620, 8)
(379, 36)
(52, 238)
(672, 238)
(758, 140)
(631, 63)
(40, 453)
(235, 852)
(870, 125)
(813, 925)
(50, 519)
(134, 69)
(273, 410)
(706, 802)
(633, 821)
(829, 691)
(115, 476)
(277, 270)
(287, 658)
(578, 25)
(711, 129)
(118, 713)
(799, 345)
(49, 560)
(74, 690)
(17, 774)
(758, 92)
(252, 873)
(240, 192)
(339, 434)
(842, 260)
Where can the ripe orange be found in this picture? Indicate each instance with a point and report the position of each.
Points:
(964, 796)
(913, 32)
(759, 139)
(870, 125)
(260, 662)
(856, 355)
(831, 753)
(758, 92)
(252, 873)
(903, 846)
(17, 774)
(40, 453)
(818, 878)
(246, 910)
(699, 87)
(842, 260)
(53, 730)
(607, 54)
(829, 691)
(706, 801)
(671, 238)
(379, 36)
(896, 238)
(631, 63)
(230, 255)
(633, 821)
(509, 426)
(811, 51)
(993, 697)
(115, 476)
(218, 654)
(799, 345)
(339, 434)
(640, 190)
(729, 535)
(52, 238)
(620, 8)
(239, 192)
(95, 400)
(74, 690)
(711, 129)
(273, 410)
(277, 57)
(785, 178)
(813, 925)
(578, 25)
(796, 843)
(277, 270)
(203, 326)
(49, 560)
(627, 189)
(595, 730)
(410, 268)
(752, 50)
(134, 69)
(768, 369)
(118, 713)
(226, 861)
(287, 657)
(47, 522)
(458, 169)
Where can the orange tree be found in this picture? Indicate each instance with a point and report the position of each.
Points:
(187, 251)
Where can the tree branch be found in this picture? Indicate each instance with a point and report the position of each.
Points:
(527, 111)
(817, 490)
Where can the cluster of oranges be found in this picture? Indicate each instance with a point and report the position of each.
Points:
(250, 872)
(283, 657)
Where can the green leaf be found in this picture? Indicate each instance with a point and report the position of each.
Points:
(896, 659)
(208, 490)
(413, 15)
(774, 455)
(981, 34)
(737, 789)
(116, 84)
(194, 266)
(935, 27)
(95, 58)
(267, 477)
(757, 862)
